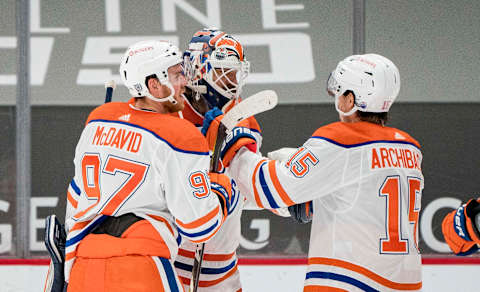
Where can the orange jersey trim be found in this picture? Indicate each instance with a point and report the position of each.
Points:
(278, 186)
(365, 272)
(208, 237)
(199, 222)
(350, 134)
(254, 180)
(186, 281)
(160, 218)
(72, 201)
(81, 213)
(70, 255)
(79, 225)
(316, 288)
(165, 126)
(207, 257)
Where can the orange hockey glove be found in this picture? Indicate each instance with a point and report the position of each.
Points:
(239, 136)
(222, 187)
(459, 229)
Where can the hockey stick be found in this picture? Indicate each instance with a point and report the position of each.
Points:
(109, 87)
(255, 104)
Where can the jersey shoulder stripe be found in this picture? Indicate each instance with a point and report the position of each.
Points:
(362, 133)
(179, 134)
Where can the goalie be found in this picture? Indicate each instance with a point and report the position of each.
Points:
(216, 68)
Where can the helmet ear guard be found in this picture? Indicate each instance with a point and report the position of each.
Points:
(373, 79)
(147, 58)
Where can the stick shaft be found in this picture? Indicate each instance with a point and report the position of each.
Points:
(257, 103)
(108, 94)
(214, 167)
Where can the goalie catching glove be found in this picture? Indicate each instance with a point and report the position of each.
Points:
(239, 136)
(222, 187)
(460, 229)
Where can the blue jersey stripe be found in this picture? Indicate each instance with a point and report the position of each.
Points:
(341, 278)
(196, 234)
(75, 187)
(265, 188)
(365, 143)
(85, 231)
(209, 271)
(171, 277)
(179, 239)
(154, 134)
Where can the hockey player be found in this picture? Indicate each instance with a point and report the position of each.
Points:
(363, 178)
(461, 228)
(216, 69)
(141, 182)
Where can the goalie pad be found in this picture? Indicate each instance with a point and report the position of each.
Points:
(55, 238)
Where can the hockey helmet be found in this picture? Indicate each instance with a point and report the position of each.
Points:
(373, 79)
(215, 66)
(147, 58)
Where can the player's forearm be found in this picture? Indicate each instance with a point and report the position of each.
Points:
(305, 176)
(257, 179)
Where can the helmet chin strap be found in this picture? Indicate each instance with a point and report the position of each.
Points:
(169, 98)
(349, 113)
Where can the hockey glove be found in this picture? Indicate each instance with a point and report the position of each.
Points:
(222, 187)
(460, 229)
(237, 138)
(210, 116)
(301, 213)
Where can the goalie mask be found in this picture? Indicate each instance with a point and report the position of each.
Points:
(215, 66)
(148, 58)
(373, 79)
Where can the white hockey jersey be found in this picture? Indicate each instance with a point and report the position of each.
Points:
(365, 182)
(220, 263)
(152, 165)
